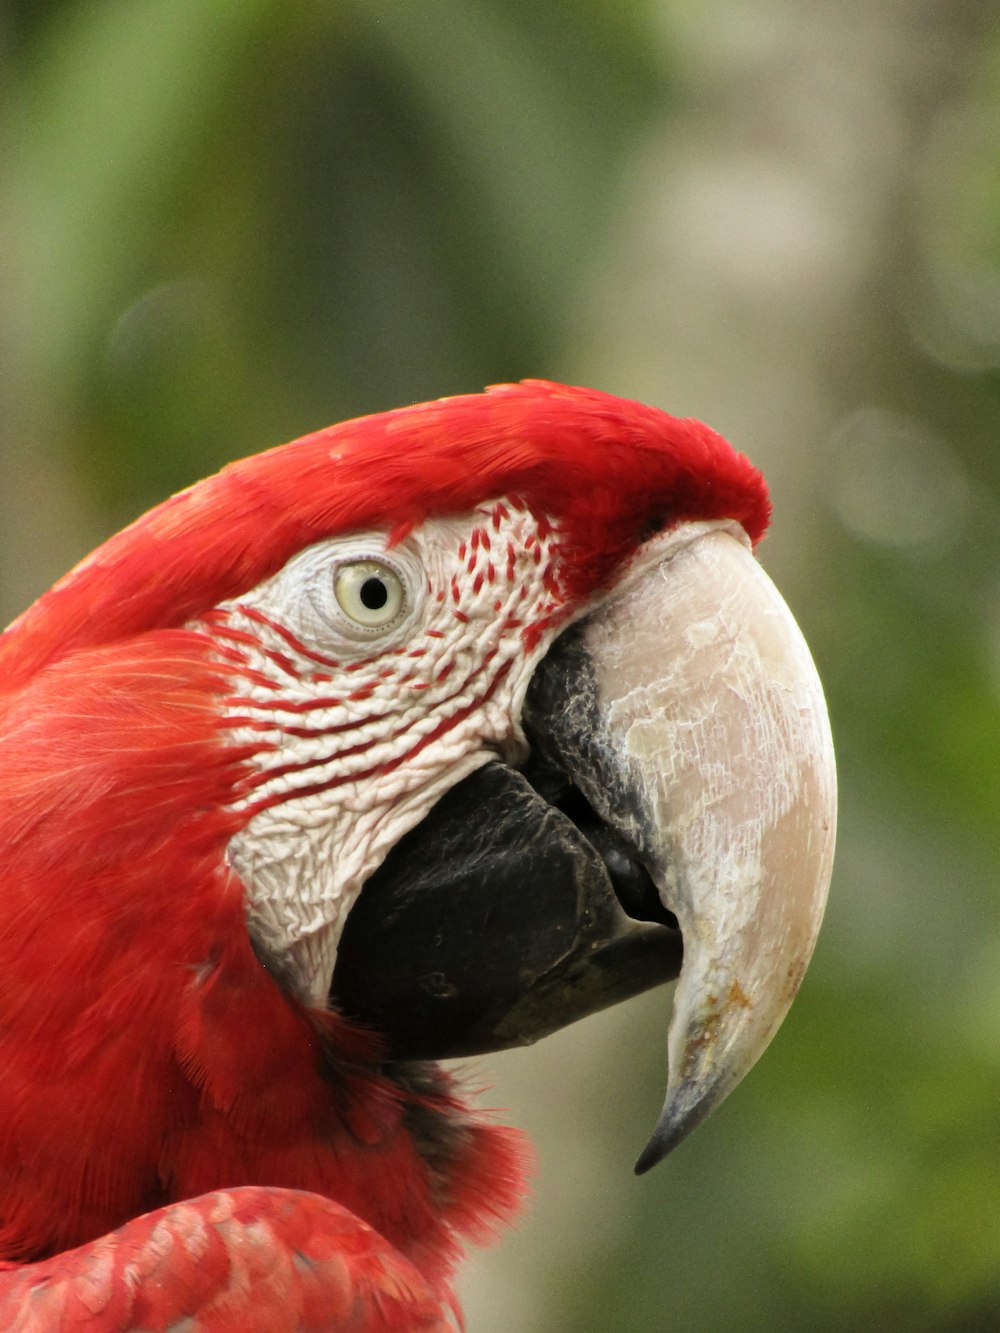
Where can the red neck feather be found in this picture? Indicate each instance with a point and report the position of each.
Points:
(147, 1054)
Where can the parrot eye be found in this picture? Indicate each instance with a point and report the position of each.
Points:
(369, 593)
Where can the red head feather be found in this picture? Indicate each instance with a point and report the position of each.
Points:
(607, 470)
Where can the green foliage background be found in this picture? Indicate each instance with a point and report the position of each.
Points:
(226, 222)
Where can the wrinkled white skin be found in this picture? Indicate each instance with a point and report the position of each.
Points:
(356, 745)
(711, 697)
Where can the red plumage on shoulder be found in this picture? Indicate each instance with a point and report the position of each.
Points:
(260, 1260)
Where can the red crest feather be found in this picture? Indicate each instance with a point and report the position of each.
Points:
(607, 469)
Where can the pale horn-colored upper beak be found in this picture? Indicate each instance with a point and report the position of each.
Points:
(712, 711)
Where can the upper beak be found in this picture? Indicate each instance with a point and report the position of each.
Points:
(707, 746)
(681, 730)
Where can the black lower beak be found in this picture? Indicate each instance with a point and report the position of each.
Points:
(500, 919)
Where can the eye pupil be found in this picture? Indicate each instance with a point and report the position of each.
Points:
(374, 594)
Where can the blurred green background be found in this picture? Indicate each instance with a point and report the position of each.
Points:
(226, 222)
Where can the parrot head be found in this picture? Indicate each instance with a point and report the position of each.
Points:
(485, 713)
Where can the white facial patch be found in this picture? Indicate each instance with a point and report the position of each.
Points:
(359, 727)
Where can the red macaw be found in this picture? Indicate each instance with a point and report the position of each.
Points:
(422, 735)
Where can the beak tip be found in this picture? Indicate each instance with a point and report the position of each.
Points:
(650, 1156)
(664, 1140)
(685, 1108)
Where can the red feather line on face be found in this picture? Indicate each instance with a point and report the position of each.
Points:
(609, 470)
